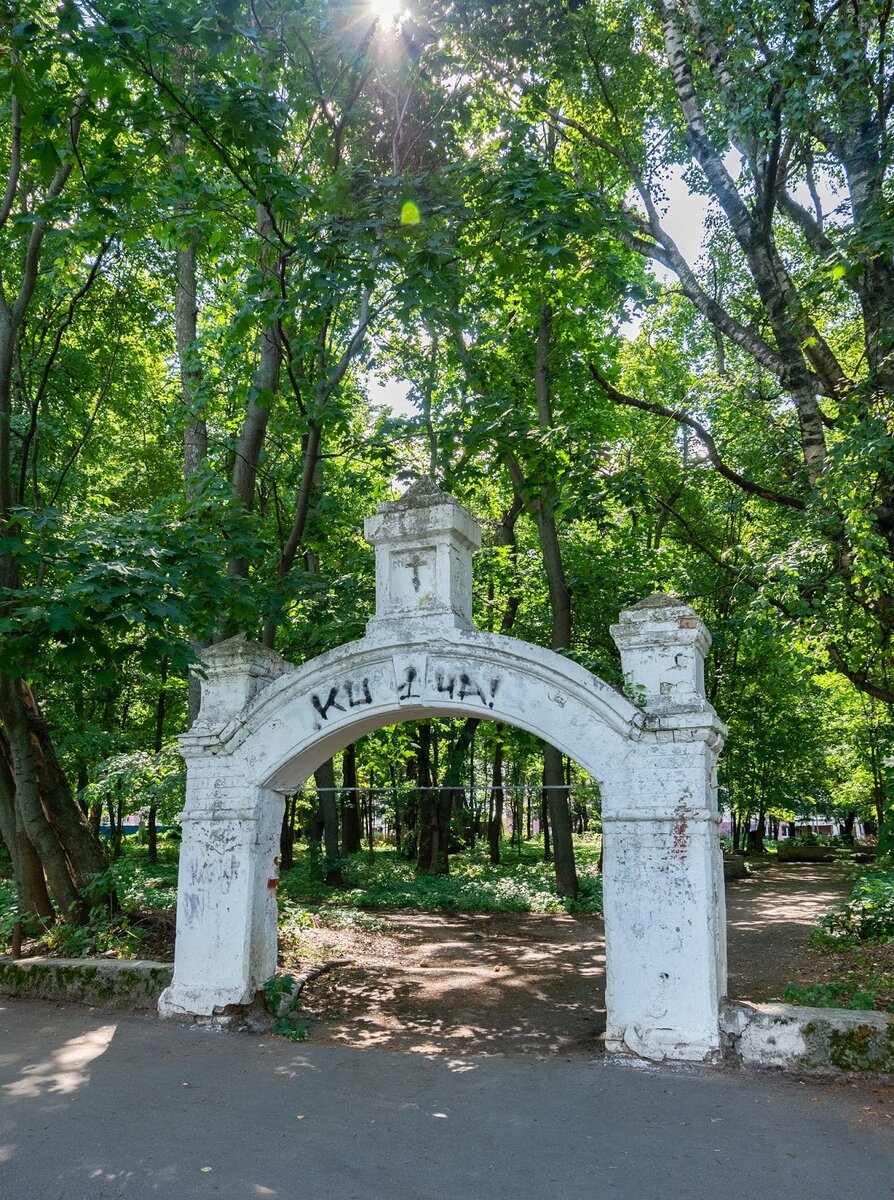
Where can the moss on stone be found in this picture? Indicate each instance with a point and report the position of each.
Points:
(109, 983)
(862, 1049)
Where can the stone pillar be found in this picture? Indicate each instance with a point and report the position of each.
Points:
(665, 919)
(226, 908)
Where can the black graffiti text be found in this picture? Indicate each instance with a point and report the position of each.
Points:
(355, 692)
(461, 685)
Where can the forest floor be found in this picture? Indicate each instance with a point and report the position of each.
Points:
(502, 983)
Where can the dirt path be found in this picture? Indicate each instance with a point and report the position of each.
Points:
(467, 984)
(769, 919)
(498, 984)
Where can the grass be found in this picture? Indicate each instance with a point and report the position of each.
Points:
(850, 994)
(522, 883)
(862, 980)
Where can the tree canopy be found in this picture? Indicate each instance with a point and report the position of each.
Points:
(219, 225)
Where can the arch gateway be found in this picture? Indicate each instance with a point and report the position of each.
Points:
(264, 726)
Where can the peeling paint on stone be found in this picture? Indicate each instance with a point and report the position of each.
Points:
(816, 1041)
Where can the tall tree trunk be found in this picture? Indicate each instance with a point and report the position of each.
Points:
(398, 816)
(370, 816)
(186, 329)
(264, 386)
(289, 551)
(324, 777)
(186, 336)
(441, 811)
(31, 886)
(195, 429)
(425, 779)
(350, 802)
(495, 820)
(116, 820)
(44, 838)
(287, 836)
(47, 812)
(160, 709)
(83, 850)
(756, 835)
(560, 608)
(411, 811)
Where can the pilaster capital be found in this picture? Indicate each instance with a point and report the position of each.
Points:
(232, 673)
(663, 644)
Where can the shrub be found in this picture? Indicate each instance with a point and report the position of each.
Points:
(830, 995)
(868, 913)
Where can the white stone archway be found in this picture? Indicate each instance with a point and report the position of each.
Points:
(265, 725)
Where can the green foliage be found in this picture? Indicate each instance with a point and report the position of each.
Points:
(868, 913)
(140, 584)
(830, 995)
(139, 884)
(293, 923)
(523, 885)
(111, 577)
(294, 1028)
(276, 989)
(142, 779)
(103, 932)
(140, 887)
(9, 911)
(282, 1003)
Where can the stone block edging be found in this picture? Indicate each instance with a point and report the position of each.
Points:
(104, 982)
(812, 1041)
(806, 854)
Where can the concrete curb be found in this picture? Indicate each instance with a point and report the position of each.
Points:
(812, 1041)
(106, 982)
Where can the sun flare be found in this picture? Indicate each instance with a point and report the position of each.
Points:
(388, 12)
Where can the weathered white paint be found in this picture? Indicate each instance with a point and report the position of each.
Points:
(264, 726)
(816, 1041)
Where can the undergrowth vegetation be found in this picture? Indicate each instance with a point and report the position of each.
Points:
(858, 935)
(868, 913)
(843, 994)
(523, 882)
(147, 896)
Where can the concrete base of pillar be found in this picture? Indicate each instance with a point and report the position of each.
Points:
(663, 1045)
(182, 1000)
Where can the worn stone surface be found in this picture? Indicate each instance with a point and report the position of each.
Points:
(266, 726)
(112, 982)
(816, 1041)
(424, 545)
